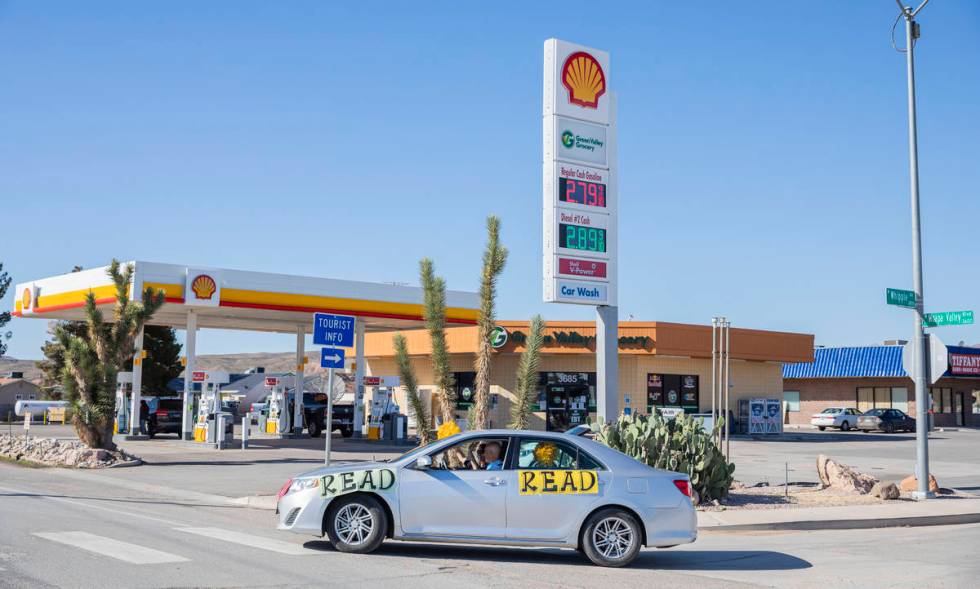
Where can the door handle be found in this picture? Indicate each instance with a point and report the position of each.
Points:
(494, 482)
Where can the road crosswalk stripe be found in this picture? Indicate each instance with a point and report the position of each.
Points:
(249, 540)
(124, 551)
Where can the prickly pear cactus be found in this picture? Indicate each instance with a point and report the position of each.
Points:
(680, 445)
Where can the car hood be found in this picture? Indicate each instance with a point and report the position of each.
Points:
(348, 466)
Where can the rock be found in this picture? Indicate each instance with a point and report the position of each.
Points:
(911, 483)
(54, 452)
(737, 485)
(842, 477)
(887, 491)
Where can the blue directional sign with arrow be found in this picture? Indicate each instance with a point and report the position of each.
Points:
(332, 358)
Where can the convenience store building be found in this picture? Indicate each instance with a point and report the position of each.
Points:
(665, 365)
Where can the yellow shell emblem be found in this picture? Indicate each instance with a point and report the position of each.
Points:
(204, 287)
(584, 79)
(25, 300)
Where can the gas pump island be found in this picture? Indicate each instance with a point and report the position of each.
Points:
(210, 422)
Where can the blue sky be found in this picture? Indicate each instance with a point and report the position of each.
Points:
(763, 161)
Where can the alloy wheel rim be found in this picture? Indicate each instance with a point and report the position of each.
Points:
(354, 523)
(613, 537)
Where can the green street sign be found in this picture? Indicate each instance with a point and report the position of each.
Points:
(948, 318)
(901, 298)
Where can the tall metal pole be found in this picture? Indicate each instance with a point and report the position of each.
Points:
(714, 365)
(329, 419)
(728, 374)
(919, 339)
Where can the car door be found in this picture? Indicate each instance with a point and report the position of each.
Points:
(447, 502)
(540, 504)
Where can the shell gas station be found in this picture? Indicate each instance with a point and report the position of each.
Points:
(212, 298)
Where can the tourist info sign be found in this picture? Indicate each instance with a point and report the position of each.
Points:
(579, 169)
(333, 330)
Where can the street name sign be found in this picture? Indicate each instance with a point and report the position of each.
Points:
(332, 358)
(948, 318)
(333, 330)
(900, 298)
(579, 171)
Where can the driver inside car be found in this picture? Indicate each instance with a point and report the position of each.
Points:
(491, 456)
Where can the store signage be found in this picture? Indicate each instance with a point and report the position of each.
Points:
(900, 298)
(271, 381)
(333, 330)
(199, 376)
(498, 337)
(947, 318)
(566, 338)
(577, 267)
(202, 288)
(580, 226)
(381, 381)
(964, 364)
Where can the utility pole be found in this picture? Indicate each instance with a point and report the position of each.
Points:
(919, 335)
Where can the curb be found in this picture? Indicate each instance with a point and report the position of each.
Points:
(263, 502)
(860, 524)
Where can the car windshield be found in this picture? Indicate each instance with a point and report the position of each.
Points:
(875, 412)
(411, 453)
(831, 411)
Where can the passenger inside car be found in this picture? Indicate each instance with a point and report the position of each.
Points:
(473, 454)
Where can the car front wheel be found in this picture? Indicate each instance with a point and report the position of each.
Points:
(846, 426)
(356, 524)
(611, 538)
(821, 427)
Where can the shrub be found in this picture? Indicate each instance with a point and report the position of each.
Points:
(681, 445)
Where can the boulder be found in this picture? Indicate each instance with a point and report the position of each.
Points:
(911, 483)
(885, 491)
(842, 477)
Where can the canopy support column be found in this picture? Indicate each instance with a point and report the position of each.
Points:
(298, 384)
(134, 407)
(358, 377)
(190, 345)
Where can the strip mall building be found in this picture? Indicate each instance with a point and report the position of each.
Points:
(660, 364)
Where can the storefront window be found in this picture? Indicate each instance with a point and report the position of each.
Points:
(791, 401)
(942, 399)
(900, 399)
(568, 398)
(673, 390)
(865, 399)
(882, 398)
(465, 389)
(976, 402)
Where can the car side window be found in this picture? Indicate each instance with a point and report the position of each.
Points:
(483, 453)
(544, 453)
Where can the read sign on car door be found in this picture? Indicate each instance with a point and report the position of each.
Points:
(558, 482)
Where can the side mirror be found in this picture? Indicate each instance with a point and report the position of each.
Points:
(423, 462)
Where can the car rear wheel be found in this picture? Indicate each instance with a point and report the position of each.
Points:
(888, 428)
(611, 538)
(821, 427)
(846, 426)
(315, 429)
(347, 432)
(356, 524)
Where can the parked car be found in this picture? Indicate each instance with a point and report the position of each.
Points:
(843, 418)
(886, 420)
(315, 412)
(165, 417)
(534, 489)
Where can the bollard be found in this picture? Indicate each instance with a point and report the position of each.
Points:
(246, 423)
(786, 485)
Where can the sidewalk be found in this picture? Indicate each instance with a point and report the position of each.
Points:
(942, 510)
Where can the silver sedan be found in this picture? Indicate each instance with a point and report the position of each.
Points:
(505, 487)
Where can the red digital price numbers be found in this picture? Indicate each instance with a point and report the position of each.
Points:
(582, 192)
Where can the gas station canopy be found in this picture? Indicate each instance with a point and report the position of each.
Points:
(237, 299)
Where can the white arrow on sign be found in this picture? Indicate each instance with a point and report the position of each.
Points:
(334, 358)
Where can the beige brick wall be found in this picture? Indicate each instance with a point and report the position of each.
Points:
(749, 379)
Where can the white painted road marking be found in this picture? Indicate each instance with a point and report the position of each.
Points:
(249, 540)
(131, 553)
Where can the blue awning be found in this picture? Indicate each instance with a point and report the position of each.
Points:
(860, 362)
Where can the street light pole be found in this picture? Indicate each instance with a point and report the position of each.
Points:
(919, 339)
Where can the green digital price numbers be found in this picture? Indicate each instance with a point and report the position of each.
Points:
(576, 237)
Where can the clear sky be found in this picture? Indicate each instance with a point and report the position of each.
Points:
(763, 155)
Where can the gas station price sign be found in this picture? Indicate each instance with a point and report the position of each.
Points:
(577, 237)
(582, 192)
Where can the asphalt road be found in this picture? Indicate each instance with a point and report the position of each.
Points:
(62, 532)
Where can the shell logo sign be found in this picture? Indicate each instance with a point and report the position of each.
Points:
(584, 79)
(204, 287)
(25, 299)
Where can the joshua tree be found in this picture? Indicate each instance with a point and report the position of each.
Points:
(527, 375)
(411, 384)
(5, 281)
(434, 294)
(94, 359)
(494, 258)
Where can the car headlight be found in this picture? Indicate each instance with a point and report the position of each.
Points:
(304, 484)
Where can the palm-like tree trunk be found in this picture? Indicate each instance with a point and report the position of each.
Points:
(494, 259)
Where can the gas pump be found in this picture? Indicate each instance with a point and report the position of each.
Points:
(209, 422)
(383, 405)
(124, 386)
(279, 417)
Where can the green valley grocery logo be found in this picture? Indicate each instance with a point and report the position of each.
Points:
(568, 139)
(498, 337)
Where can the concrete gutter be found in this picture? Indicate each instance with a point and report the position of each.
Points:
(935, 512)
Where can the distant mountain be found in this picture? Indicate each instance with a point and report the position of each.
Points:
(272, 362)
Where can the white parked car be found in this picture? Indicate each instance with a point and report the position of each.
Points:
(844, 418)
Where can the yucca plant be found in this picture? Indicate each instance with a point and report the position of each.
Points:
(525, 393)
(411, 384)
(94, 358)
(494, 259)
(434, 297)
(681, 445)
